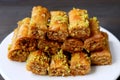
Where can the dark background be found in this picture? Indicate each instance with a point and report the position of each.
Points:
(107, 11)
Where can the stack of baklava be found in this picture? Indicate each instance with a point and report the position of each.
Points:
(58, 44)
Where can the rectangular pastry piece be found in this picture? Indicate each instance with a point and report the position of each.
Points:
(59, 65)
(53, 47)
(38, 62)
(80, 64)
(18, 55)
(15, 52)
(21, 36)
(39, 21)
(79, 24)
(102, 57)
(43, 45)
(49, 46)
(72, 45)
(94, 26)
(58, 27)
(95, 43)
(21, 43)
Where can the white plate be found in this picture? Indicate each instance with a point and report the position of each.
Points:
(11, 70)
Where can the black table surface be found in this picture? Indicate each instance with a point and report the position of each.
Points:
(107, 11)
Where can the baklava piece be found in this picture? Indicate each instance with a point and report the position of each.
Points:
(80, 64)
(49, 46)
(21, 44)
(96, 42)
(102, 57)
(15, 53)
(58, 27)
(21, 37)
(38, 63)
(79, 24)
(59, 65)
(72, 45)
(38, 23)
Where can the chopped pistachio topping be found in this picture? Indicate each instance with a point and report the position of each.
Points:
(95, 18)
(61, 19)
(82, 21)
(61, 55)
(46, 48)
(80, 24)
(38, 57)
